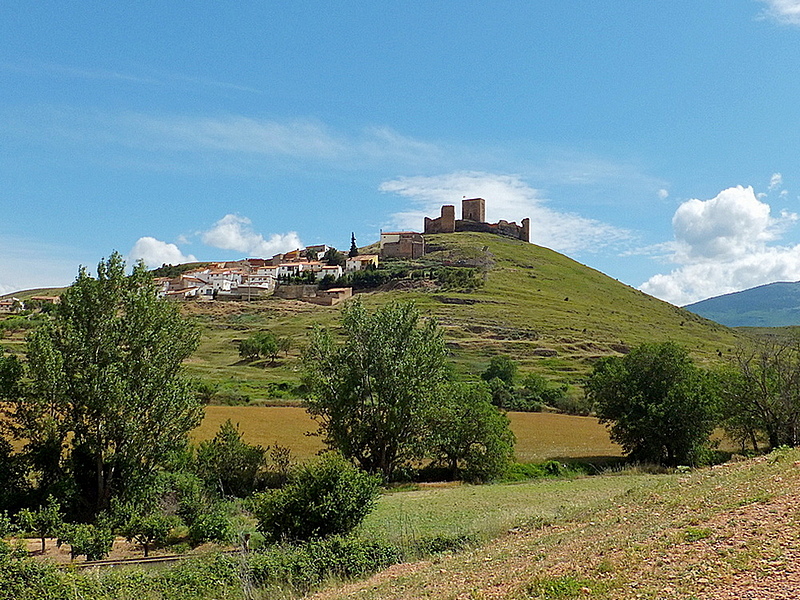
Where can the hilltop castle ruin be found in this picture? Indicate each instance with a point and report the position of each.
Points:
(473, 218)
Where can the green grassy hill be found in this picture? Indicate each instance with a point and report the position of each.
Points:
(550, 313)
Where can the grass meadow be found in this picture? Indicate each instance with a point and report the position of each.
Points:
(486, 512)
(540, 436)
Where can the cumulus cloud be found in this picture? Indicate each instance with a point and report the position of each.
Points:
(722, 245)
(155, 253)
(508, 197)
(234, 232)
(786, 12)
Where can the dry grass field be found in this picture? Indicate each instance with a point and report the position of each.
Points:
(540, 436)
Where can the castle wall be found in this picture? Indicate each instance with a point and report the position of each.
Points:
(445, 223)
(473, 213)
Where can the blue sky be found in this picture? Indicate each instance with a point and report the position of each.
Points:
(655, 141)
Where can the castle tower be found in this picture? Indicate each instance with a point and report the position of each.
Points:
(525, 230)
(473, 209)
(445, 223)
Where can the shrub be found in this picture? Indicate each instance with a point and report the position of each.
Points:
(307, 565)
(501, 367)
(228, 464)
(324, 498)
(214, 526)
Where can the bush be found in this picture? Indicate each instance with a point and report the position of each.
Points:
(228, 464)
(324, 498)
(307, 565)
(501, 367)
(214, 526)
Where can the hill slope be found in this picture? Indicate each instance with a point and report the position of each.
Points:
(721, 533)
(771, 305)
(548, 312)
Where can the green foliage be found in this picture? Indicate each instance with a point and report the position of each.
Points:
(312, 563)
(468, 434)
(86, 539)
(661, 408)
(171, 271)
(11, 371)
(7, 526)
(324, 498)
(15, 489)
(459, 278)
(334, 258)
(105, 401)
(212, 526)
(259, 344)
(539, 389)
(762, 393)
(228, 464)
(695, 534)
(149, 529)
(371, 393)
(45, 521)
(501, 367)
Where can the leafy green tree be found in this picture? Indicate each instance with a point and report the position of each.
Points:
(468, 434)
(661, 408)
(45, 522)
(284, 344)
(262, 343)
(326, 497)
(15, 487)
(230, 465)
(149, 529)
(105, 399)
(501, 367)
(762, 393)
(370, 393)
(86, 539)
(334, 258)
(11, 372)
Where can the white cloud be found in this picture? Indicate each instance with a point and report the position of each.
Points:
(786, 12)
(233, 232)
(663, 194)
(507, 197)
(775, 181)
(721, 246)
(155, 253)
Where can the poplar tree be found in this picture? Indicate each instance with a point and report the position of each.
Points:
(104, 400)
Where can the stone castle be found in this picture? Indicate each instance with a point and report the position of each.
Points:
(473, 218)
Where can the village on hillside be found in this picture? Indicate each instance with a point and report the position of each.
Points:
(311, 274)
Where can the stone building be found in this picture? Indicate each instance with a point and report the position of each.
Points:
(473, 218)
(402, 244)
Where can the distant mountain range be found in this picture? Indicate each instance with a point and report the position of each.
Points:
(771, 305)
